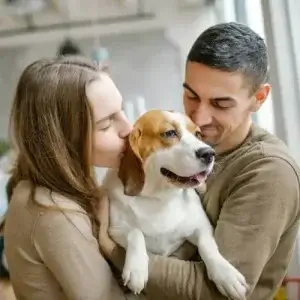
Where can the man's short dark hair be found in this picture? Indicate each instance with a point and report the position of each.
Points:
(232, 47)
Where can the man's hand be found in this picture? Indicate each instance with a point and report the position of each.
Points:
(107, 245)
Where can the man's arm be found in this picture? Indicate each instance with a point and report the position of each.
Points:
(262, 204)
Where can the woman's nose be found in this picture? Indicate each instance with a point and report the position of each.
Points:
(126, 128)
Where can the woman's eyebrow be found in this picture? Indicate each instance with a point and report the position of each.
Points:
(109, 116)
(102, 120)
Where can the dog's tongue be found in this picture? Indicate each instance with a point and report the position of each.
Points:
(198, 176)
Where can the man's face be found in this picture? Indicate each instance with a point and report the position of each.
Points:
(219, 102)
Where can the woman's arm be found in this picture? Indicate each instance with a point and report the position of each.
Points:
(66, 245)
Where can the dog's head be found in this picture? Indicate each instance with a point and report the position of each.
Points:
(165, 147)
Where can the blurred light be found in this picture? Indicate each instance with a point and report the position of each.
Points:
(129, 111)
(100, 55)
(141, 105)
(129, 3)
(22, 7)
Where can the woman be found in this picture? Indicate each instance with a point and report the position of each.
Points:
(66, 117)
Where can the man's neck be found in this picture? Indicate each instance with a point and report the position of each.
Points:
(235, 139)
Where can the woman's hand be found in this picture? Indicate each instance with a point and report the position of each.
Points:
(107, 245)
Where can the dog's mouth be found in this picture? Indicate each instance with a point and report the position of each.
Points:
(190, 180)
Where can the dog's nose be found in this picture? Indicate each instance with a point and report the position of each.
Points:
(205, 154)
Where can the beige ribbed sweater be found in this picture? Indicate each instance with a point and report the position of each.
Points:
(53, 255)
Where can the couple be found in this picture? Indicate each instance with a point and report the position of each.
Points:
(67, 116)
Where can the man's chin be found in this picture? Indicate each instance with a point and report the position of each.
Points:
(211, 141)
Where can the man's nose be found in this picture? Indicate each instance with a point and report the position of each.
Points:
(202, 116)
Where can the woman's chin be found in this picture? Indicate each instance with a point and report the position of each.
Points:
(113, 164)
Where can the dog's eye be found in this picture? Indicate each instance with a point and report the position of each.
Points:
(169, 134)
(198, 135)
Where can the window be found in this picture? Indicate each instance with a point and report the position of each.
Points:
(250, 12)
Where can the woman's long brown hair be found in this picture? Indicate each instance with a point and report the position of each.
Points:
(51, 127)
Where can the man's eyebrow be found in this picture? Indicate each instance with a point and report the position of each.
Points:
(186, 86)
(217, 99)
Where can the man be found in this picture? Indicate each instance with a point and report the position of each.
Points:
(252, 196)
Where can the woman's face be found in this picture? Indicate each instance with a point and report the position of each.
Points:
(110, 123)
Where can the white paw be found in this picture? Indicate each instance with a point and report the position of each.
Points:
(230, 282)
(135, 273)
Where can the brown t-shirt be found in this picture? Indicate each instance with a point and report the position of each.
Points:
(54, 255)
(252, 200)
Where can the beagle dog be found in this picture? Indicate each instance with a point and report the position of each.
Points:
(153, 203)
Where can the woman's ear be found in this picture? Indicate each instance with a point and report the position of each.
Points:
(131, 171)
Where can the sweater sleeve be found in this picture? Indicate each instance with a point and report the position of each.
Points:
(262, 203)
(67, 247)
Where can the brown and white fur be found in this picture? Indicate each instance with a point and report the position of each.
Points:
(152, 210)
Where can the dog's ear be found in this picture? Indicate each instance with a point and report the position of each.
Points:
(131, 171)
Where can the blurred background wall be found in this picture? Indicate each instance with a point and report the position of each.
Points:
(146, 69)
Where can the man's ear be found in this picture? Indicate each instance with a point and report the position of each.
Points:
(131, 171)
(260, 96)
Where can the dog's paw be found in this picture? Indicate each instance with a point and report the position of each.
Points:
(135, 273)
(230, 282)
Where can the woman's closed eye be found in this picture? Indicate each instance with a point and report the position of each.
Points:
(104, 125)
